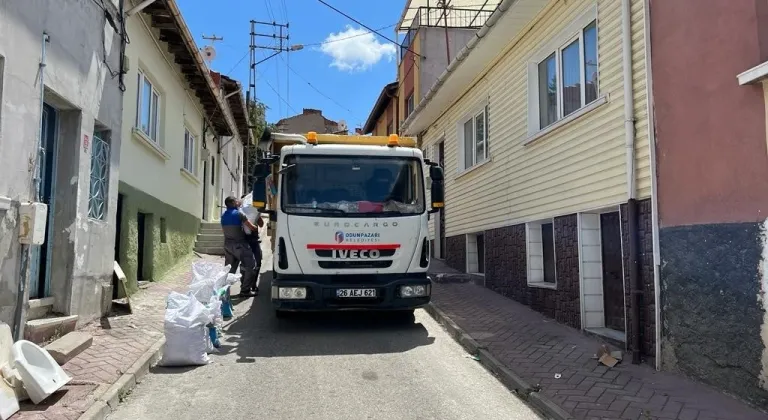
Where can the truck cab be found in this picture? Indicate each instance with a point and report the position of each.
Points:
(351, 217)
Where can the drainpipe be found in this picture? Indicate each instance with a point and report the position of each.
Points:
(27, 251)
(654, 183)
(636, 287)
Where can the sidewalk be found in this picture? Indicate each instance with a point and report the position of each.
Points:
(123, 348)
(535, 348)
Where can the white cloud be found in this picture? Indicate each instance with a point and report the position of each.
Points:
(356, 49)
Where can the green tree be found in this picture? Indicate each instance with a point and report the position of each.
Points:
(257, 114)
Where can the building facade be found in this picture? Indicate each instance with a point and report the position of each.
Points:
(61, 89)
(384, 118)
(548, 191)
(175, 117)
(710, 135)
(311, 120)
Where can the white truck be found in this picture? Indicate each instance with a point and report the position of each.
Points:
(351, 222)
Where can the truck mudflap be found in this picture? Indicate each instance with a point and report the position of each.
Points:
(348, 292)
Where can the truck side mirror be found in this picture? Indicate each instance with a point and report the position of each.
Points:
(259, 193)
(438, 194)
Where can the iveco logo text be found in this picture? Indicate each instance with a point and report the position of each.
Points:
(363, 253)
(357, 224)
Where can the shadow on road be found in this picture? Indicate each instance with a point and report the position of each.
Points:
(258, 333)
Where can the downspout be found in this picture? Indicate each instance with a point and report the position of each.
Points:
(654, 183)
(632, 217)
(27, 251)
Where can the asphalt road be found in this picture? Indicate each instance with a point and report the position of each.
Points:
(333, 366)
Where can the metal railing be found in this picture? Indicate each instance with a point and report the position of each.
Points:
(97, 199)
(444, 18)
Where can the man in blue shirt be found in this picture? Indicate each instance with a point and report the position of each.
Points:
(236, 247)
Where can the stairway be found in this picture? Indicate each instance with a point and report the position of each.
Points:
(210, 239)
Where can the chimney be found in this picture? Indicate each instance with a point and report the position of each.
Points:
(359, 131)
(310, 111)
(216, 78)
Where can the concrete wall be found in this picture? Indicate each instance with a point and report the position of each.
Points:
(156, 168)
(77, 83)
(713, 191)
(162, 250)
(433, 49)
(231, 169)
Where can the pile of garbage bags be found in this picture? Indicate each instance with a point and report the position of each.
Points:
(193, 320)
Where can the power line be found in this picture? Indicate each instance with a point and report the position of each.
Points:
(348, 37)
(280, 97)
(367, 27)
(352, 114)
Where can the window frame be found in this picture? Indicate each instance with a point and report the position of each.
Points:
(483, 110)
(410, 104)
(189, 156)
(98, 198)
(154, 108)
(573, 32)
(533, 236)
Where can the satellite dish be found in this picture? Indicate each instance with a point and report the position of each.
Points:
(209, 53)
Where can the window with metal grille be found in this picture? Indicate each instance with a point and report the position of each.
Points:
(99, 191)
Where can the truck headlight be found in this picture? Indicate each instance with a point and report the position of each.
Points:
(414, 291)
(292, 293)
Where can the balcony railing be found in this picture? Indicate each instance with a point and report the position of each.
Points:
(444, 18)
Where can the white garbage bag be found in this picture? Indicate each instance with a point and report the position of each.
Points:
(250, 212)
(185, 331)
(206, 278)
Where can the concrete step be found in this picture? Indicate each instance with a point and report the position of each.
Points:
(41, 330)
(211, 230)
(210, 237)
(39, 308)
(210, 244)
(66, 348)
(210, 251)
(210, 225)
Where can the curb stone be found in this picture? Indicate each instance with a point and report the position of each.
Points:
(508, 378)
(109, 399)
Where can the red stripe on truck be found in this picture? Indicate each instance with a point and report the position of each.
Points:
(353, 247)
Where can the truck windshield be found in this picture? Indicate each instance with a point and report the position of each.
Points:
(352, 185)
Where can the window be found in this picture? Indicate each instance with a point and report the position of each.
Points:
(566, 79)
(540, 238)
(473, 136)
(361, 186)
(99, 189)
(190, 152)
(409, 105)
(148, 108)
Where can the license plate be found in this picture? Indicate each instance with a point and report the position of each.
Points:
(356, 293)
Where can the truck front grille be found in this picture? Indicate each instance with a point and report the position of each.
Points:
(327, 253)
(340, 265)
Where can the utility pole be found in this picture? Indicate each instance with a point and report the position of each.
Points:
(281, 37)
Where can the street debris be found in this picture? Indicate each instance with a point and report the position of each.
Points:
(472, 356)
(558, 376)
(607, 357)
(193, 321)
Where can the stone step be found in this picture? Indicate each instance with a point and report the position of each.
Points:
(210, 244)
(40, 308)
(66, 348)
(210, 225)
(41, 330)
(210, 237)
(210, 251)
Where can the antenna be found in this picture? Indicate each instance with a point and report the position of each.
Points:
(209, 52)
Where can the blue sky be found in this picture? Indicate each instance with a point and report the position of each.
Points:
(351, 71)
